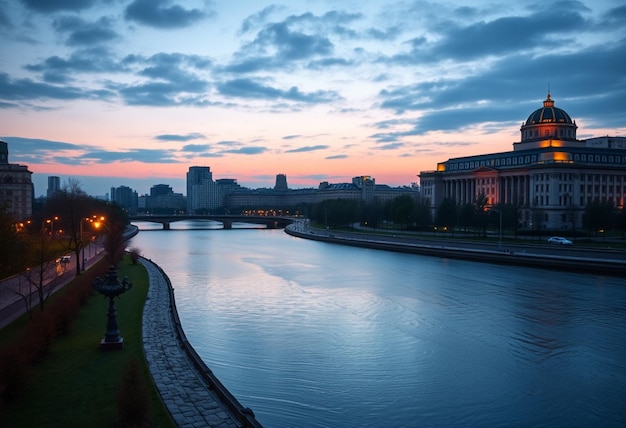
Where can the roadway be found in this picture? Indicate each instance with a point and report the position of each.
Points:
(577, 257)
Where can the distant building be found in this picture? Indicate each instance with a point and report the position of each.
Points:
(16, 186)
(550, 175)
(161, 190)
(204, 194)
(362, 188)
(54, 185)
(281, 183)
(199, 178)
(126, 198)
(162, 198)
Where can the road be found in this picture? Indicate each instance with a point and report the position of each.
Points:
(56, 275)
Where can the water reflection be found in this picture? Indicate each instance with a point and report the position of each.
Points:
(311, 334)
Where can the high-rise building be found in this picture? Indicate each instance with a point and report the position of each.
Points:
(199, 178)
(54, 185)
(281, 183)
(125, 197)
(16, 186)
(550, 175)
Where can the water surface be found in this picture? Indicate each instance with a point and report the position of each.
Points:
(309, 334)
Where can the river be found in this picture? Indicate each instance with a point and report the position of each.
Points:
(310, 334)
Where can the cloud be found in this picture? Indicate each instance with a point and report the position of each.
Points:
(83, 33)
(89, 60)
(253, 150)
(248, 88)
(196, 148)
(27, 89)
(336, 157)
(307, 149)
(132, 155)
(298, 38)
(159, 14)
(179, 137)
(46, 6)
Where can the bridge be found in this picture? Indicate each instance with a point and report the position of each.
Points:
(271, 222)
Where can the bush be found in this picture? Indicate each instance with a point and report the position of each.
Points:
(134, 254)
(133, 402)
(13, 374)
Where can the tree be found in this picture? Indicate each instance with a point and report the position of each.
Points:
(446, 215)
(13, 246)
(422, 217)
(480, 207)
(401, 210)
(72, 205)
(467, 216)
(41, 277)
(598, 215)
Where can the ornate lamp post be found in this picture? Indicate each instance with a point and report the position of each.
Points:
(110, 286)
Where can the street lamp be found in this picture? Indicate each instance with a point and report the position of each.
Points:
(94, 220)
(110, 286)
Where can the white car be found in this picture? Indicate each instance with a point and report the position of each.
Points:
(559, 240)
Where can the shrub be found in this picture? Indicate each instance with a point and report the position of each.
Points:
(13, 373)
(133, 402)
(134, 254)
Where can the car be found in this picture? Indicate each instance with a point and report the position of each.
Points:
(559, 240)
(65, 259)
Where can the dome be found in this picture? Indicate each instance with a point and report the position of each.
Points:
(548, 114)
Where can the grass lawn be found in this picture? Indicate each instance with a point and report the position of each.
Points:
(77, 383)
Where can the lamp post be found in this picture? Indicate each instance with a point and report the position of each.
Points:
(110, 286)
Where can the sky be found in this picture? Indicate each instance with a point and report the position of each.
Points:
(134, 92)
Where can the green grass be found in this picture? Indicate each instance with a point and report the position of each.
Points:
(76, 384)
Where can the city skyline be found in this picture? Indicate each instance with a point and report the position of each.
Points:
(135, 92)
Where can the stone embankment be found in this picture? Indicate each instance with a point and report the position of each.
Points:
(191, 392)
(534, 258)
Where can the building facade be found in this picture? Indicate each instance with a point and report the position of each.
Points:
(125, 197)
(16, 186)
(550, 175)
(54, 186)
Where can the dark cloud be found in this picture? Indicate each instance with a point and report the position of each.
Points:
(179, 137)
(36, 145)
(297, 38)
(83, 33)
(543, 30)
(4, 19)
(307, 149)
(196, 148)
(253, 150)
(248, 88)
(162, 14)
(46, 6)
(132, 155)
(27, 89)
(89, 60)
(336, 157)
(587, 78)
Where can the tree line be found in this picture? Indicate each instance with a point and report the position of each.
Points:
(414, 213)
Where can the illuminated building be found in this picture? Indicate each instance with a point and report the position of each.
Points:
(550, 175)
(16, 186)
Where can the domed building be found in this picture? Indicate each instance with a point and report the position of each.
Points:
(550, 175)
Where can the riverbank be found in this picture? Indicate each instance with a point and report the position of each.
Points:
(189, 389)
(528, 256)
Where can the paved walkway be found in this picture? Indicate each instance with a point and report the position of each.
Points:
(182, 388)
